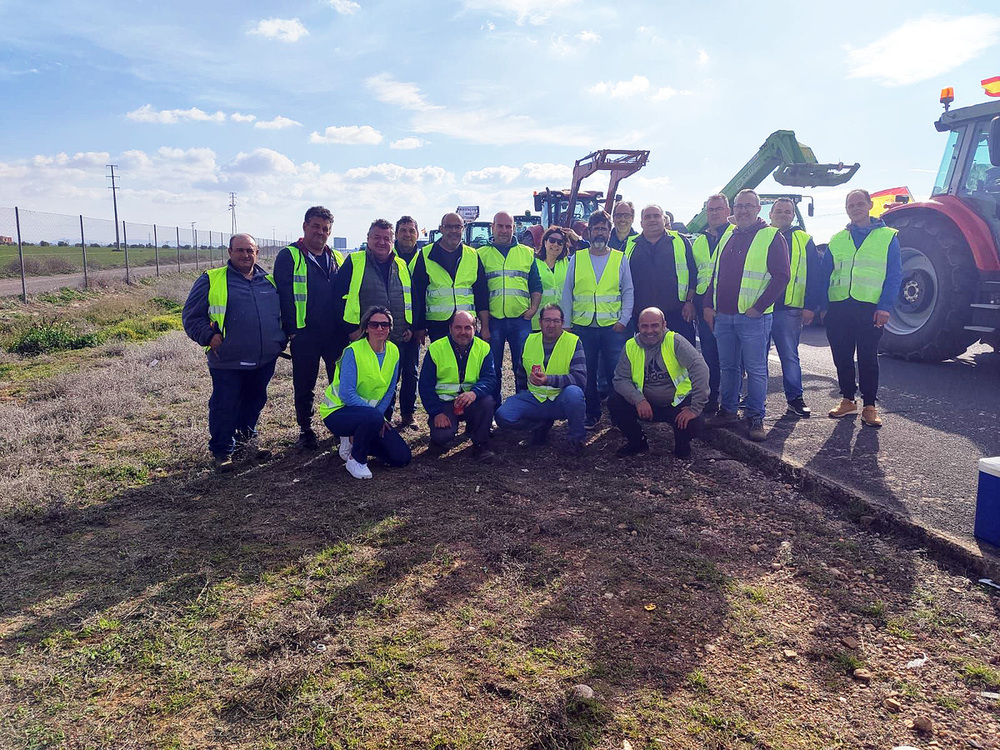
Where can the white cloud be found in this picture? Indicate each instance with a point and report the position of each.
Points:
(492, 174)
(638, 85)
(408, 143)
(923, 48)
(702, 57)
(588, 36)
(261, 161)
(523, 11)
(496, 127)
(344, 7)
(547, 172)
(146, 113)
(79, 160)
(396, 173)
(282, 29)
(349, 134)
(399, 93)
(278, 123)
(237, 117)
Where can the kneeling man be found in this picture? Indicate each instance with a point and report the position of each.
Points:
(456, 383)
(660, 377)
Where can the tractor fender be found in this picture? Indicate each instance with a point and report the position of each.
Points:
(973, 229)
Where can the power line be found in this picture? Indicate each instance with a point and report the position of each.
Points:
(114, 200)
(232, 207)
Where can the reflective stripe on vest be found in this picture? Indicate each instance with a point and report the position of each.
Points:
(795, 292)
(630, 245)
(859, 272)
(373, 379)
(680, 263)
(755, 275)
(704, 258)
(445, 295)
(352, 307)
(300, 281)
(559, 361)
(678, 374)
(218, 296)
(507, 279)
(593, 300)
(553, 280)
(443, 355)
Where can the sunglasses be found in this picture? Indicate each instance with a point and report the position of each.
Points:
(557, 240)
(379, 324)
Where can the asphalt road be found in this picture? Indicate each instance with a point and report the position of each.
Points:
(938, 420)
(39, 284)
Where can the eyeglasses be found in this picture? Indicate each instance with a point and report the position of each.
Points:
(452, 227)
(746, 207)
(379, 324)
(551, 320)
(250, 250)
(557, 240)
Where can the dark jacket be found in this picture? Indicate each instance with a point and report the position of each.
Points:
(433, 404)
(654, 274)
(448, 261)
(321, 304)
(253, 321)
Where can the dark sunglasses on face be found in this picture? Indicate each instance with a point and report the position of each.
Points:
(379, 324)
(557, 240)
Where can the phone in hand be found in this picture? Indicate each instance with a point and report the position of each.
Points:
(536, 370)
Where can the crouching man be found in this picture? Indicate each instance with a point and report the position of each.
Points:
(660, 377)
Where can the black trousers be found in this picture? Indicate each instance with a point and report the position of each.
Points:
(478, 420)
(409, 359)
(626, 419)
(850, 329)
(308, 349)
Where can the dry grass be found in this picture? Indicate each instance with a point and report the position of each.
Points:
(149, 603)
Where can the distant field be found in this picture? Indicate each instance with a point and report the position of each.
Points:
(51, 260)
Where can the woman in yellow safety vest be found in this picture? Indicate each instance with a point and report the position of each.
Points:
(552, 259)
(356, 404)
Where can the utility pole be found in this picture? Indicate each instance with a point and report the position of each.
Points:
(232, 207)
(194, 244)
(114, 200)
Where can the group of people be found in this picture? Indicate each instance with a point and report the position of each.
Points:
(651, 325)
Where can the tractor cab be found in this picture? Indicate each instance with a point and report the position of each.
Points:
(767, 200)
(553, 205)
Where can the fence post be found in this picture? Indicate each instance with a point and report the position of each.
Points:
(194, 241)
(128, 277)
(211, 258)
(20, 254)
(156, 250)
(178, 230)
(83, 246)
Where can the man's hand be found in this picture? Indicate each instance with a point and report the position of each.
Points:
(539, 379)
(464, 400)
(484, 333)
(618, 327)
(684, 417)
(688, 312)
(881, 318)
(807, 317)
(709, 315)
(215, 343)
(441, 421)
(753, 313)
(421, 335)
(408, 335)
(355, 334)
(644, 410)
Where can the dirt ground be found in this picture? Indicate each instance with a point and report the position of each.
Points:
(147, 602)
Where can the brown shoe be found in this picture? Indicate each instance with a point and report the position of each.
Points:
(870, 417)
(846, 407)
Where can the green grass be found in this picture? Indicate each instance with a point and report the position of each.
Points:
(980, 675)
(847, 662)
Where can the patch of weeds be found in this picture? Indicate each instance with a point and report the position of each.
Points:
(707, 572)
(126, 474)
(64, 295)
(948, 703)
(905, 688)
(847, 662)
(167, 305)
(732, 726)
(697, 681)
(876, 610)
(50, 336)
(979, 675)
(755, 594)
(897, 627)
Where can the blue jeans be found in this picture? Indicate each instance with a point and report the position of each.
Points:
(739, 336)
(523, 411)
(238, 397)
(515, 331)
(786, 329)
(364, 424)
(602, 348)
(710, 352)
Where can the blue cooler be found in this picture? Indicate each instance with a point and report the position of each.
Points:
(988, 501)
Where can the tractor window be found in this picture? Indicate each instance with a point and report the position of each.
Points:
(948, 162)
(976, 181)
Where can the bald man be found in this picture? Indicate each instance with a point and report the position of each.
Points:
(235, 313)
(515, 293)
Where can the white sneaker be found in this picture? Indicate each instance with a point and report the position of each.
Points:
(358, 471)
(345, 449)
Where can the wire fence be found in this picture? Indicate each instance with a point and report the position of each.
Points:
(36, 246)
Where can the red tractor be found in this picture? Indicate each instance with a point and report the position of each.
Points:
(950, 295)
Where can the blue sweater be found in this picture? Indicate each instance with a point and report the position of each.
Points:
(893, 265)
(349, 382)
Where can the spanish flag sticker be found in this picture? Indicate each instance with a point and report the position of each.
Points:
(992, 86)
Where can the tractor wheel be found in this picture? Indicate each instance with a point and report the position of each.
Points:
(939, 284)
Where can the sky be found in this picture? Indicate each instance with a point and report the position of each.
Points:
(378, 109)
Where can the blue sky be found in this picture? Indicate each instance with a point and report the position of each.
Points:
(377, 109)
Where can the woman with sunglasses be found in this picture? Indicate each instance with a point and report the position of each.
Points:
(552, 259)
(355, 403)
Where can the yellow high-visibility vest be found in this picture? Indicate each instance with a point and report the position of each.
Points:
(678, 374)
(593, 300)
(859, 272)
(559, 361)
(448, 385)
(352, 308)
(755, 277)
(373, 379)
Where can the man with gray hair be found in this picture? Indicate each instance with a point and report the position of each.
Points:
(234, 312)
